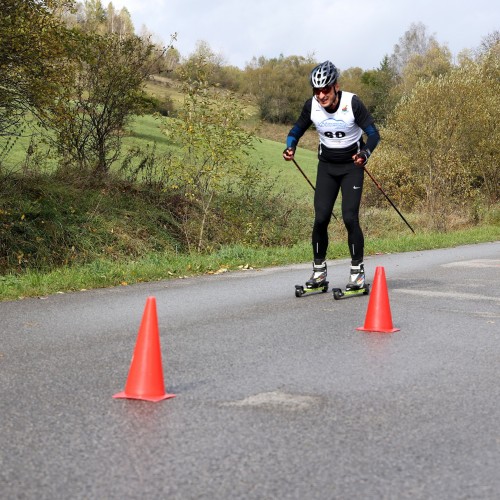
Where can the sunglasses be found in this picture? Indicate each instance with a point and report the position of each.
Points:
(324, 90)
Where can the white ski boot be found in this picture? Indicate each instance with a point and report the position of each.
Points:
(357, 278)
(316, 283)
(318, 277)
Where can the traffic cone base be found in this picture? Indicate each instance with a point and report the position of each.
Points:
(145, 378)
(378, 315)
(377, 330)
(124, 395)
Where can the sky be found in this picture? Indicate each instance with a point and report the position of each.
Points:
(350, 34)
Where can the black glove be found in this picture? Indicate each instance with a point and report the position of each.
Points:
(364, 154)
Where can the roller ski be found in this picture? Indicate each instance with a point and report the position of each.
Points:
(356, 286)
(316, 283)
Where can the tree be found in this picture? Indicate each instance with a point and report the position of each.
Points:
(120, 23)
(380, 83)
(211, 144)
(94, 17)
(90, 115)
(435, 61)
(33, 55)
(280, 85)
(172, 59)
(352, 80)
(490, 44)
(439, 150)
(205, 59)
(417, 57)
(415, 41)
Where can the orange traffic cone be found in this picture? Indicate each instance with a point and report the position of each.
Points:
(378, 315)
(145, 378)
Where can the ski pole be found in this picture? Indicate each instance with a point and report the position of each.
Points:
(388, 199)
(302, 172)
(307, 179)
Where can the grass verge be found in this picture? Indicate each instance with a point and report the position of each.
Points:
(165, 266)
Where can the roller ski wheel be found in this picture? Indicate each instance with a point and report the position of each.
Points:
(305, 290)
(339, 294)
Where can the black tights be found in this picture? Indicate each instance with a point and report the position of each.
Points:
(330, 179)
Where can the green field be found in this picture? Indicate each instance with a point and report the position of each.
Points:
(384, 230)
(266, 154)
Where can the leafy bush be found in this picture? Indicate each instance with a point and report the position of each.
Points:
(438, 152)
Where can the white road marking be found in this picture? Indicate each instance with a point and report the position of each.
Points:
(475, 263)
(451, 295)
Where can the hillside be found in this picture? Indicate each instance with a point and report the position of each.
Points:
(163, 88)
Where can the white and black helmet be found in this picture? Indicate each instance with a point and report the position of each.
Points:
(324, 74)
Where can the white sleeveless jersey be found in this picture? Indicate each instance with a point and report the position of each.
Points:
(336, 130)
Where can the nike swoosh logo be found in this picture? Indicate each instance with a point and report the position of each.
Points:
(357, 187)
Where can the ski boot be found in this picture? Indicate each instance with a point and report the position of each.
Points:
(356, 285)
(316, 283)
(356, 278)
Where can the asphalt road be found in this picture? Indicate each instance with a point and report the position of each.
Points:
(277, 397)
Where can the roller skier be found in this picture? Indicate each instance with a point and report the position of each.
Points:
(340, 119)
